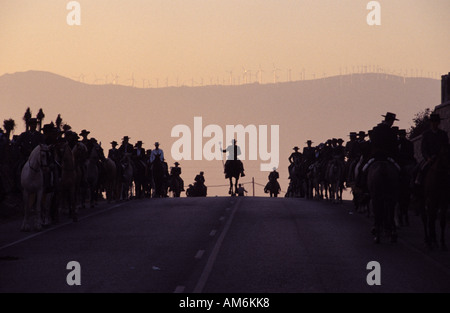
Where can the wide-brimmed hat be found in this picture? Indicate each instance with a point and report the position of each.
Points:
(309, 141)
(139, 143)
(84, 132)
(126, 138)
(295, 148)
(157, 143)
(340, 140)
(435, 117)
(176, 163)
(49, 129)
(114, 143)
(362, 133)
(390, 117)
(352, 134)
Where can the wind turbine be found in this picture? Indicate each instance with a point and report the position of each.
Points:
(259, 73)
(132, 80)
(288, 74)
(244, 75)
(231, 77)
(274, 71)
(115, 80)
(96, 79)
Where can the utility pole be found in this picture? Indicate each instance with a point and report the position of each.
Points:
(253, 184)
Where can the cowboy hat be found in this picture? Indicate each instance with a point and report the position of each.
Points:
(390, 117)
(84, 132)
(125, 138)
(295, 148)
(114, 143)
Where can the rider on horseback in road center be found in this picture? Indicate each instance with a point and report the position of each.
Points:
(233, 156)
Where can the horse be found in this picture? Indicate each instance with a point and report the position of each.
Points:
(159, 177)
(405, 191)
(79, 152)
(435, 191)
(139, 177)
(67, 181)
(175, 185)
(233, 170)
(197, 190)
(273, 188)
(110, 179)
(92, 173)
(126, 181)
(383, 184)
(32, 182)
(298, 182)
(334, 176)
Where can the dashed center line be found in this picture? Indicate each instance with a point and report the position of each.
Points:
(213, 233)
(179, 289)
(199, 254)
(222, 218)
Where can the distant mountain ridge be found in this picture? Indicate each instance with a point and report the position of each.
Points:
(314, 109)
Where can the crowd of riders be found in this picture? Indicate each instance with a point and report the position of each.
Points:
(383, 142)
(16, 149)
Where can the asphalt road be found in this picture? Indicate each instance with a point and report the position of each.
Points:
(218, 245)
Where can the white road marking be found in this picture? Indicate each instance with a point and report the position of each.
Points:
(213, 233)
(179, 289)
(199, 254)
(221, 218)
(213, 256)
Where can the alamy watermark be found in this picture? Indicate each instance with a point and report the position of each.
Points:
(213, 148)
(74, 16)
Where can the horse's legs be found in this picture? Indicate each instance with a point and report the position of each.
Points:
(26, 207)
(379, 215)
(443, 223)
(231, 186)
(38, 216)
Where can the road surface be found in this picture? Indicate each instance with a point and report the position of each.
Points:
(218, 245)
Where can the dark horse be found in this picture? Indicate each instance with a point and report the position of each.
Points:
(433, 197)
(159, 177)
(383, 183)
(272, 187)
(233, 169)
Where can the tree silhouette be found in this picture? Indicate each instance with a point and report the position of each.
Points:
(26, 118)
(9, 126)
(421, 123)
(40, 116)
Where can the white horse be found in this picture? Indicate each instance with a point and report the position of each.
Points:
(32, 181)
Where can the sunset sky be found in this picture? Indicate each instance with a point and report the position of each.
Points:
(190, 41)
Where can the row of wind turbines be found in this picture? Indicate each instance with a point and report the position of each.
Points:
(248, 76)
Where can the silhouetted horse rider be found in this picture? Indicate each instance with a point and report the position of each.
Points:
(273, 187)
(29, 140)
(233, 159)
(309, 153)
(433, 139)
(383, 145)
(175, 172)
(295, 158)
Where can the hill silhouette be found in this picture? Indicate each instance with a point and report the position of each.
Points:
(314, 109)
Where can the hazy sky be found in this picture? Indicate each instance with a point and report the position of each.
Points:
(199, 40)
